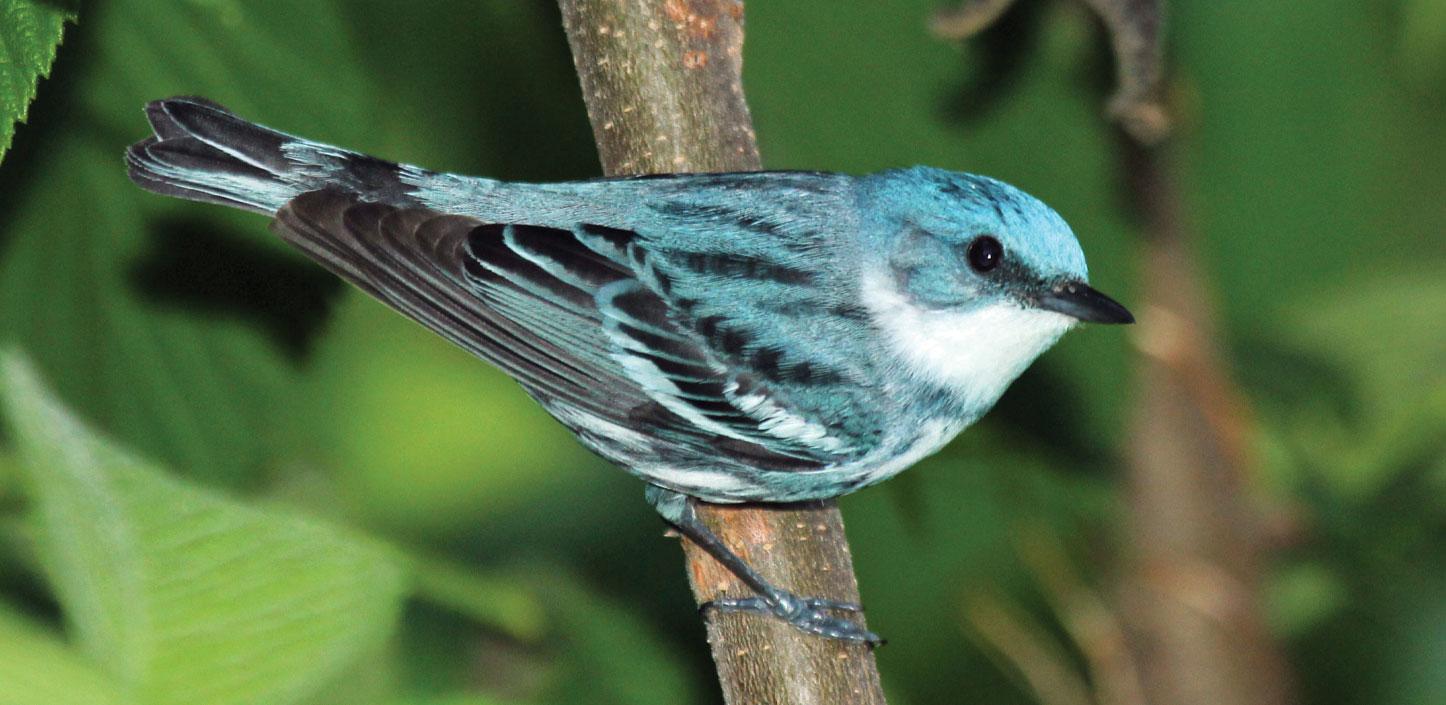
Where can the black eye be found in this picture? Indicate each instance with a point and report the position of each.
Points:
(985, 253)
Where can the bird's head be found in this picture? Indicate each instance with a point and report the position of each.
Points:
(974, 278)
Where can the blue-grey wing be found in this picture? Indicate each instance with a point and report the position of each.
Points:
(576, 315)
(764, 268)
(414, 260)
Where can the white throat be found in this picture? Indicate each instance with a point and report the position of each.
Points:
(976, 353)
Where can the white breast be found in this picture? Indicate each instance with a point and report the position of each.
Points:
(977, 352)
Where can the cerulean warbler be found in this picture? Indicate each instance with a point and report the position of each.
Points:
(748, 337)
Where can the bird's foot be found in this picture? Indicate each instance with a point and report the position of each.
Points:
(807, 614)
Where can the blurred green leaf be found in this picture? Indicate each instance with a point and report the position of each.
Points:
(371, 679)
(612, 656)
(465, 699)
(394, 402)
(1423, 44)
(1307, 159)
(1384, 338)
(1298, 597)
(209, 394)
(30, 32)
(508, 605)
(287, 63)
(184, 596)
(38, 668)
(9, 475)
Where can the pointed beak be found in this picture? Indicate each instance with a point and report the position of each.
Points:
(1077, 299)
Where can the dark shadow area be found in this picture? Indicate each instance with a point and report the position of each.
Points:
(26, 593)
(543, 134)
(190, 265)
(994, 62)
(1043, 409)
(517, 114)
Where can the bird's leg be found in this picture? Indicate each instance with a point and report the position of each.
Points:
(808, 614)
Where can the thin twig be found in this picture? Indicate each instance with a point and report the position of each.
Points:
(1026, 650)
(1090, 623)
(968, 18)
(662, 82)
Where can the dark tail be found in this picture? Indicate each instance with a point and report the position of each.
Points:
(203, 152)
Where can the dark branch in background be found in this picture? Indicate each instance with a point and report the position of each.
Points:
(1134, 27)
(1190, 598)
(662, 81)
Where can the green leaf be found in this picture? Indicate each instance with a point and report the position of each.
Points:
(38, 668)
(29, 34)
(184, 596)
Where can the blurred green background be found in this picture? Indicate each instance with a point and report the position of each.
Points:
(297, 496)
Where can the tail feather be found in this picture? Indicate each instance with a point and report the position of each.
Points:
(203, 152)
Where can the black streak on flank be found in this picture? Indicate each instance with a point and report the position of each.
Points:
(732, 342)
(665, 283)
(708, 326)
(808, 373)
(765, 361)
(851, 312)
(738, 266)
(721, 215)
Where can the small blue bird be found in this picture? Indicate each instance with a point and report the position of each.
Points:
(748, 337)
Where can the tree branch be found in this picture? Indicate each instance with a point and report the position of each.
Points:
(1192, 595)
(662, 82)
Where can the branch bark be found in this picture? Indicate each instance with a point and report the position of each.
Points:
(663, 84)
(1193, 592)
